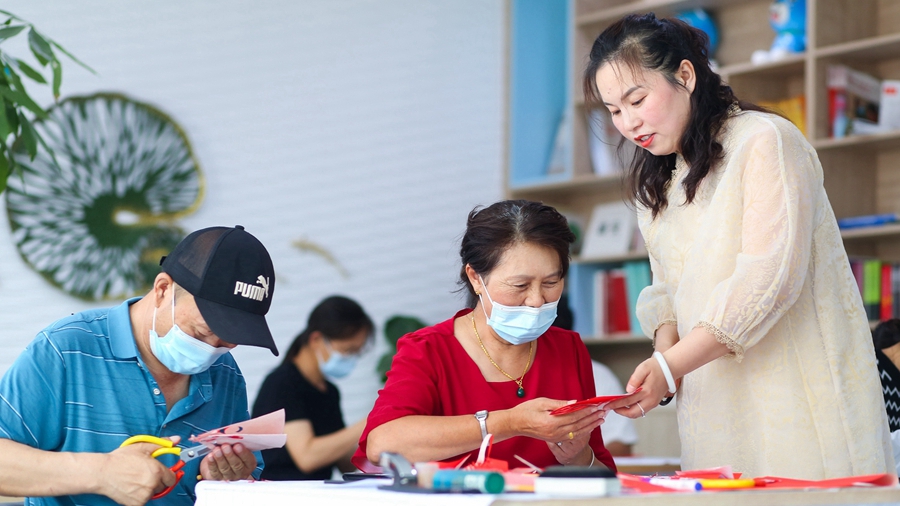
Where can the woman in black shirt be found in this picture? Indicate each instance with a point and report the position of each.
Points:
(337, 332)
(887, 352)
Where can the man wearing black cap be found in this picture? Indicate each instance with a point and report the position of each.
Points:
(156, 365)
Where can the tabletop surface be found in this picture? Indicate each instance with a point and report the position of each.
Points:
(312, 493)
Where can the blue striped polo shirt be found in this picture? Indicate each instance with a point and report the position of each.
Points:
(81, 386)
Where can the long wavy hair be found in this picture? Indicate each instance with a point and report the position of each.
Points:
(645, 43)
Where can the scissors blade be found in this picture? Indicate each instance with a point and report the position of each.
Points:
(193, 452)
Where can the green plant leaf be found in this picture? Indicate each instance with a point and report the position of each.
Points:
(28, 136)
(57, 77)
(13, 16)
(4, 167)
(12, 116)
(384, 364)
(5, 128)
(22, 98)
(29, 72)
(398, 326)
(10, 31)
(72, 57)
(40, 47)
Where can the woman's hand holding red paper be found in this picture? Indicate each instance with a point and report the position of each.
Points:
(566, 435)
(649, 377)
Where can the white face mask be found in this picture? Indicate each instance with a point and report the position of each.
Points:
(519, 324)
(180, 352)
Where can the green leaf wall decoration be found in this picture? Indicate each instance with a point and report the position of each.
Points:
(96, 224)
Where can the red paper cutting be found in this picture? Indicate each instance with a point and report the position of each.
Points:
(594, 401)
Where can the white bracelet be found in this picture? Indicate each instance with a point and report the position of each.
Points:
(670, 381)
(592, 458)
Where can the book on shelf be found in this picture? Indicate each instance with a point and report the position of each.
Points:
(617, 319)
(857, 270)
(879, 285)
(615, 294)
(872, 288)
(599, 306)
(869, 220)
(637, 277)
(886, 307)
(889, 110)
(853, 101)
(793, 108)
(895, 291)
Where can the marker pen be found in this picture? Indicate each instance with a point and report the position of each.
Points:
(487, 482)
(675, 484)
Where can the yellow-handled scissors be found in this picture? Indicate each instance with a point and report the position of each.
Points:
(185, 455)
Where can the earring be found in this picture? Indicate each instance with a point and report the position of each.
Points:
(477, 293)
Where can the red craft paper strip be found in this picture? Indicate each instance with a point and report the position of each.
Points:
(594, 401)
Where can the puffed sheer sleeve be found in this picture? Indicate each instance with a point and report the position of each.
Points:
(781, 178)
(654, 305)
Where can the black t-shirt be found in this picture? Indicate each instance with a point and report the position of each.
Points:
(286, 388)
(890, 386)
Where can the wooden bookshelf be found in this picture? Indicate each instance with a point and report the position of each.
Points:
(876, 232)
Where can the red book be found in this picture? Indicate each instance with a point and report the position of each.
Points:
(887, 296)
(617, 318)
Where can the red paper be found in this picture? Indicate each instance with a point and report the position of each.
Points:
(878, 480)
(594, 401)
(636, 483)
(712, 473)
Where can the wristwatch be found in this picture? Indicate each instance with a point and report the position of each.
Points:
(481, 416)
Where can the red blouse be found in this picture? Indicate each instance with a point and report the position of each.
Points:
(433, 375)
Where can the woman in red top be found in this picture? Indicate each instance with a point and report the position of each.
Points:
(498, 367)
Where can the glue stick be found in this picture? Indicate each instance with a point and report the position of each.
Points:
(487, 482)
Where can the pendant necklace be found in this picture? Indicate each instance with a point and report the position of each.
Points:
(521, 391)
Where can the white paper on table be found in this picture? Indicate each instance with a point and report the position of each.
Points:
(260, 433)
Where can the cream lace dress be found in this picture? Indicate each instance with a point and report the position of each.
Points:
(758, 261)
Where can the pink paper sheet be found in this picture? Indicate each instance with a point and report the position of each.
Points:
(260, 433)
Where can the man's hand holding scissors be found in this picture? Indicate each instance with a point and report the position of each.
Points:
(131, 476)
(224, 462)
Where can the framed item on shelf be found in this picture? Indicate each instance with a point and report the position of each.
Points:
(610, 230)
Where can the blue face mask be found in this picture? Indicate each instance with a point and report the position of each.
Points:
(181, 353)
(519, 324)
(338, 365)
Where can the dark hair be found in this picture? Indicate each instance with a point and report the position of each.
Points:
(886, 334)
(490, 231)
(645, 42)
(336, 317)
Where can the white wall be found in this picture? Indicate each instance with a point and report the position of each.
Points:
(369, 127)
